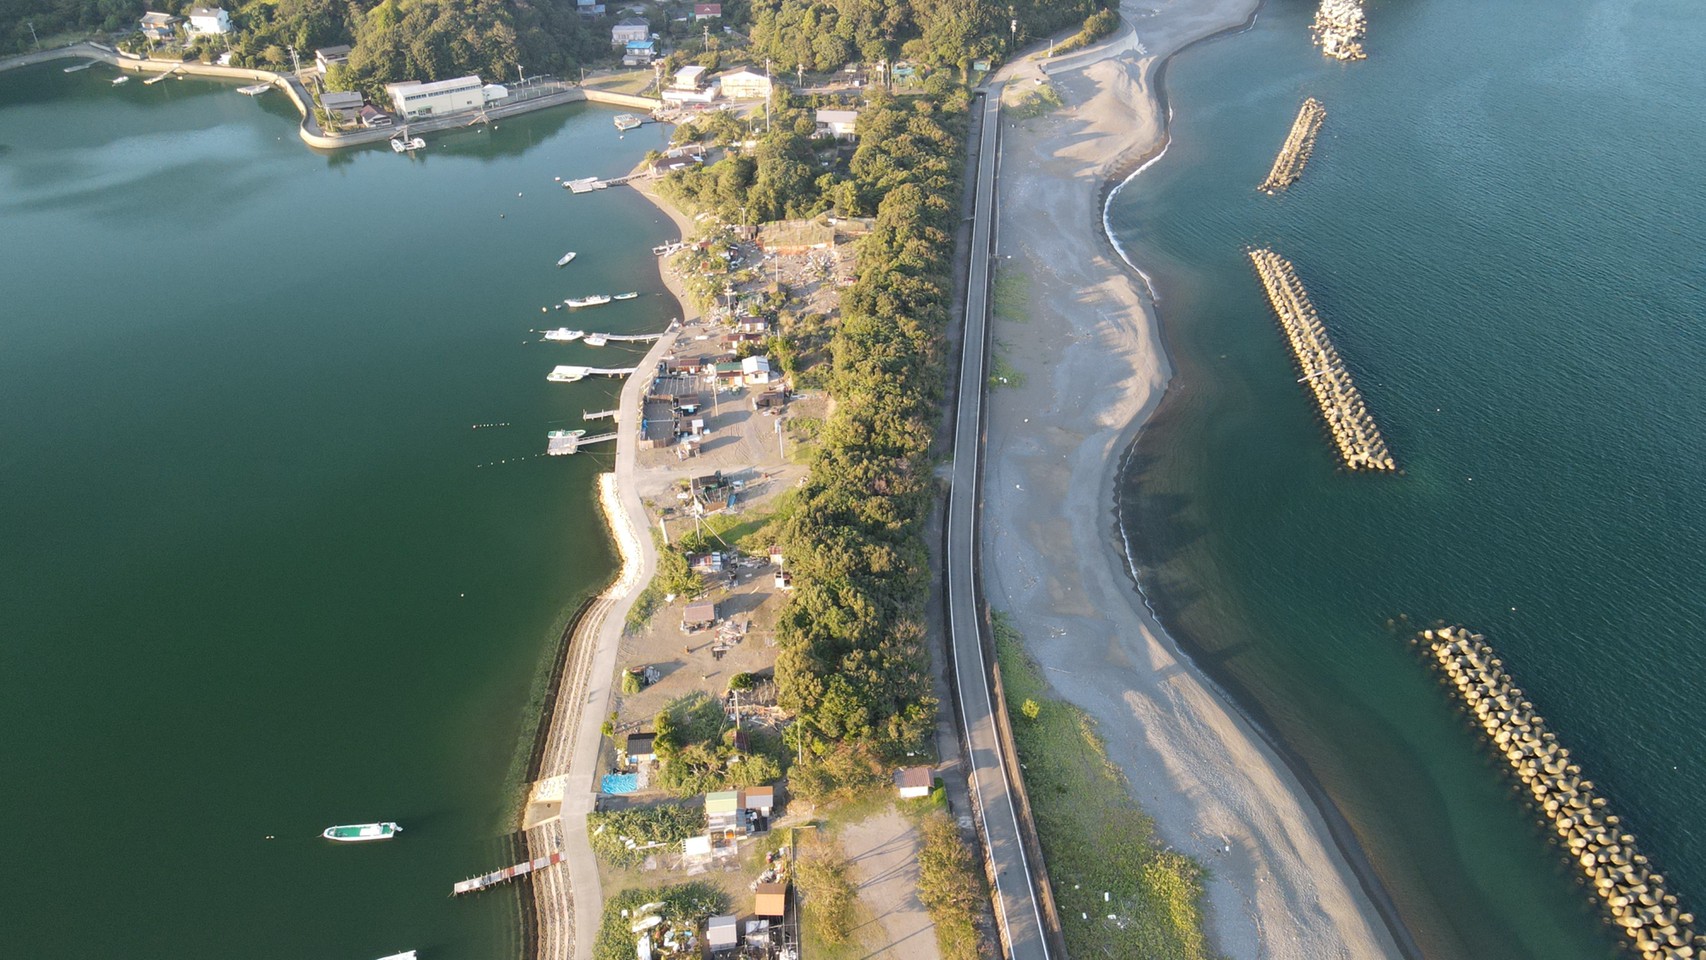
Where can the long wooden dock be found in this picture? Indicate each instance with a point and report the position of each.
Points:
(505, 875)
(1299, 144)
(1354, 431)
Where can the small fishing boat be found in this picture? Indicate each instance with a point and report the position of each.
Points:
(626, 296)
(361, 832)
(79, 66)
(567, 257)
(566, 374)
(597, 339)
(124, 78)
(627, 121)
(592, 301)
(254, 89)
(564, 334)
(665, 249)
(405, 955)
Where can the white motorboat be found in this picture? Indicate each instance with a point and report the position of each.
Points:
(567, 258)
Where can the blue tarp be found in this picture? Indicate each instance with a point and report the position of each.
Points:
(619, 783)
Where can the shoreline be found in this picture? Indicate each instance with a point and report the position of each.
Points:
(1329, 880)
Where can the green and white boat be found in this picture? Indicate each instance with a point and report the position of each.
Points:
(360, 832)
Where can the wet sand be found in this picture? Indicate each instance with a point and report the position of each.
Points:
(1277, 886)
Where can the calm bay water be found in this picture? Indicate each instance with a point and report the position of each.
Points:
(1503, 227)
(260, 575)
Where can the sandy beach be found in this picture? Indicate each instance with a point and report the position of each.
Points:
(1094, 369)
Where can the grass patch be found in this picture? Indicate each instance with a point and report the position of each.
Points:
(952, 888)
(1079, 799)
(829, 901)
(623, 838)
(1003, 373)
(632, 82)
(1035, 102)
(1012, 294)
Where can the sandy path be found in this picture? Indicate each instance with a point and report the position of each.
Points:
(1095, 368)
(884, 852)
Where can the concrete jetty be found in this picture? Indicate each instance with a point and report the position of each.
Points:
(1338, 29)
(1354, 432)
(1299, 144)
(1633, 895)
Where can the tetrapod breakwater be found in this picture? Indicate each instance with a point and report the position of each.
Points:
(1299, 144)
(1338, 29)
(1635, 897)
(1354, 431)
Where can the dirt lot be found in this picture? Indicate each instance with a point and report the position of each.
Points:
(883, 850)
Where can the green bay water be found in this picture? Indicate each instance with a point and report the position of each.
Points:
(1504, 229)
(261, 575)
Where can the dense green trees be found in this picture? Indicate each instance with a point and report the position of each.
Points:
(823, 34)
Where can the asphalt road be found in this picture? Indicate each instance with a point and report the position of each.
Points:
(1016, 907)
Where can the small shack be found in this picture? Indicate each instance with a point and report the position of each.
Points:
(722, 933)
(770, 900)
(725, 815)
(699, 615)
(913, 782)
(639, 748)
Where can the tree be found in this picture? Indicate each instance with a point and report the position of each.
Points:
(1031, 709)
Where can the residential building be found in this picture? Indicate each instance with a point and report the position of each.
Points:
(629, 30)
(913, 782)
(703, 563)
(639, 748)
(837, 123)
(755, 371)
(208, 20)
(372, 116)
(159, 26)
(760, 801)
(745, 84)
(639, 53)
(413, 99)
(346, 104)
(707, 11)
(589, 9)
(771, 899)
(326, 58)
(752, 325)
(690, 77)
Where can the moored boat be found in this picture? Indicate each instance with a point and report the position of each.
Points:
(627, 121)
(626, 296)
(567, 258)
(591, 301)
(596, 339)
(361, 832)
(564, 334)
(405, 955)
(254, 89)
(123, 78)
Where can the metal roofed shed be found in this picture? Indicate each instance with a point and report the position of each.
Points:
(700, 614)
(770, 900)
(640, 747)
(722, 933)
(913, 782)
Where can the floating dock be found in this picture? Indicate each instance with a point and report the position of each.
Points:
(562, 443)
(1299, 144)
(505, 875)
(599, 414)
(589, 184)
(600, 339)
(1632, 894)
(1354, 431)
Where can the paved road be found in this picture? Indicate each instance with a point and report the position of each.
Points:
(1016, 907)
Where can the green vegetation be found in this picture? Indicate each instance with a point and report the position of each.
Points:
(1035, 102)
(1012, 294)
(827, 895)
(1096, 26)
(611, 830)
(1002, 373)
(393, 39)
(1079, 799)
(685, 903)
(696, 749)
(673, 576)
(952, 888)
(821, 35)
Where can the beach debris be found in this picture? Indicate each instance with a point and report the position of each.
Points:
(1634, 896)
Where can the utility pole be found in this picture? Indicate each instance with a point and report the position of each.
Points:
(32, 25)
(520, 78)
(296, 64)
(1012, 28)
(780, 453)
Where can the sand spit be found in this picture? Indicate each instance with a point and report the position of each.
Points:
(1094, 369)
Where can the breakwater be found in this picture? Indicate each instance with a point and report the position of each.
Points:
(1338, 29)
(1634, 896)
(1299, 144)
(1354, 432)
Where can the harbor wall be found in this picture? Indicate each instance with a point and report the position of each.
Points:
(1299, 144)
(620, 99)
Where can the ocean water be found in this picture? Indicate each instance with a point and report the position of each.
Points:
(1504, 229)
(260, 574)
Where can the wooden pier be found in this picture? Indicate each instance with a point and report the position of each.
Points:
(505, 875)
(562, 446)
(599, 414)
(1299, 143)
(589, 184)
(1354, 431)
